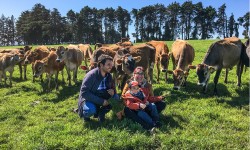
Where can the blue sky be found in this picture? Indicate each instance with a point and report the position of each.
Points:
(15, 7)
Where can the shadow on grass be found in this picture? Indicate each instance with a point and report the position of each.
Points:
(64, 91)
(239, 101)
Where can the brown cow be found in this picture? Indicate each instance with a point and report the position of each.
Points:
(38, 54)
(87, 52)
(147, 54)
(50, 66)
(72, 56)
(7, 63)
(21, 53)
(221, 54)
(182, 56)
(161, 57)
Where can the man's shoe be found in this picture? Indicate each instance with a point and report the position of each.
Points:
(86, 119)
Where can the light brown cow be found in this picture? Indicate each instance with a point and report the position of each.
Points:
(221, 54)
(21, 53)
(147, 54)
(87, 52)
(161, 57)
(7, 63)
(72, 56)
(38, 54)
(182, 56)
(50, 66)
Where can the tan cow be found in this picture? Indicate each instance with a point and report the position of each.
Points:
(72, 56)
(221, 54)
(162, 57)
(147, 54)
(38, 54)
(21, 53)
(87, 52)
(7, 63)
(182, 56)
(50, 66)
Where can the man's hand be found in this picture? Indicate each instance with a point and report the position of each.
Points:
(105, 103)
(142, 106)
(111, 92)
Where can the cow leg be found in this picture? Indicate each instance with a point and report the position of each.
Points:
(239, 70)
(24, 71)
(20, 70)
(49, 79)
(10, 78)
(85, 60)
(56, 79)
(41, 77)
(62, 76)
(158, 72)
(216, 78)
(69, 76)
(75, 75)
(225, 80)
(5, 78)
(33, 72)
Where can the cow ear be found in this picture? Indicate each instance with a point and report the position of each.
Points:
(66, 49)
(211, 69)
(119, 61)
(170, 71)
(137, 59)
(191, 67)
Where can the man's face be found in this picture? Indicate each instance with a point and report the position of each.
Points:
(107, 66)
(135, 89)
(139, 76)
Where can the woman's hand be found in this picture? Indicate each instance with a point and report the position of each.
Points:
(142, 106)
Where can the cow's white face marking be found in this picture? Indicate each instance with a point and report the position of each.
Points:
(130, 58)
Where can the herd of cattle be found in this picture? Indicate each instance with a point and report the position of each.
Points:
(224, 53)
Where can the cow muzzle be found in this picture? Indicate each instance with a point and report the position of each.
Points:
(58, 60)
(176, 87)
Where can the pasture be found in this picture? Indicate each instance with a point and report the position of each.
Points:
(32, 119)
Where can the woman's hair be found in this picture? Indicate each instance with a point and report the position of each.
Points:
(103, 58)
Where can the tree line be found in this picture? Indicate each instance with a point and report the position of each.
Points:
(91, 25)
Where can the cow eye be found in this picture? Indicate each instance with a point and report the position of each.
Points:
(62, 52)
(205, 73)
(40, 68)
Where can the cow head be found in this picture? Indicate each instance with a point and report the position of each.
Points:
(126, 63)
(15, 59)
(30, 56)
(38, 68)
(61, 53)
(179, 77)
(164, 59)
(203, 72)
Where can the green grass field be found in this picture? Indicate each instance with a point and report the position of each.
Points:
(32, 119)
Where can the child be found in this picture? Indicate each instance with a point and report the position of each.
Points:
(137, 101)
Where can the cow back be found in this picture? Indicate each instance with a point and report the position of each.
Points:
(222, 54)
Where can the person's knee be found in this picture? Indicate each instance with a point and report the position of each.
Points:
(89, 109)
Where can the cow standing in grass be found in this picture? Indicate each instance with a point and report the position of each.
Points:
(72, 57)
(221, 54)
(50, 66)
(161, 57)
(7, 63)
(182, 55)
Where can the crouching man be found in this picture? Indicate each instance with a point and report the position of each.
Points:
(97, 87)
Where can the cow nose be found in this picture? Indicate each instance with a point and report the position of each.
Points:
(163, 70)
(26, 62)
(57, 60)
